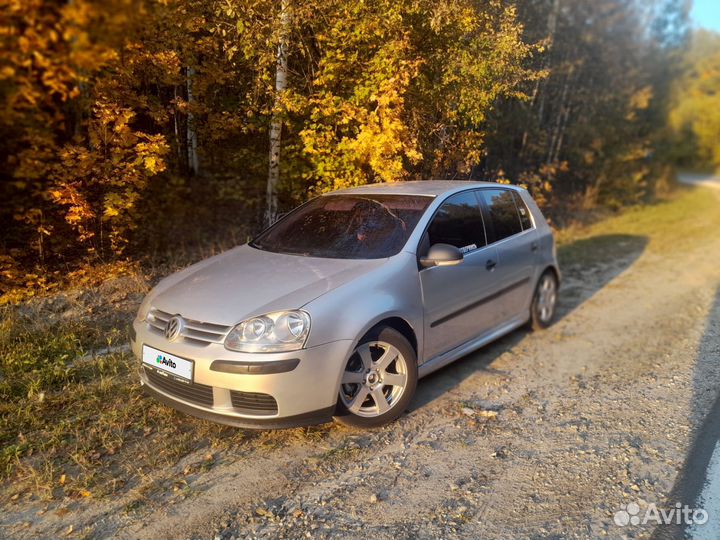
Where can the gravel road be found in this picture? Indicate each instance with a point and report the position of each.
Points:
(700, 179)
(540, 435)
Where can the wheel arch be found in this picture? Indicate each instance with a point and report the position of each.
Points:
(402, 326)
(396, 323)
(555, 271)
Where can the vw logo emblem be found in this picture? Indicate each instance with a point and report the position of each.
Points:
(174, 328)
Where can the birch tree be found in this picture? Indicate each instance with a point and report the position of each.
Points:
(281, 70)
(192, 138)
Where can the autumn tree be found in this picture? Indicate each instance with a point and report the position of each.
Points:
(74, 165)
(126, 124)
(589, 131)
(695, 114)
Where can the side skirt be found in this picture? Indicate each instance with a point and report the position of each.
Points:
(450, 356)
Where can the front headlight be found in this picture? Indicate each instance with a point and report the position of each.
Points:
(273, 332)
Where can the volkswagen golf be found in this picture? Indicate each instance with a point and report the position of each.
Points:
(337, 309)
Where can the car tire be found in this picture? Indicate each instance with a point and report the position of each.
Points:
(383, 355)
(544, 301)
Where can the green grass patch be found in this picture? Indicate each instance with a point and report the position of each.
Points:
(670, 225)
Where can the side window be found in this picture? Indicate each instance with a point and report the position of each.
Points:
(523, 210)
(503, 212)
(458, 222)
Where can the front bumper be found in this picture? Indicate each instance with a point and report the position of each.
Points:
(305, 395)
(307, 419)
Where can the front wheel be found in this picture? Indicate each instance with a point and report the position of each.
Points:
(542, 309)
(379, 380)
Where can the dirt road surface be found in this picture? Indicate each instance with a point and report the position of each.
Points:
(700, 180)
(540, 435)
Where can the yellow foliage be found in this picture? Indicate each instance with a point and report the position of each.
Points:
(389, 96)
(88, 184)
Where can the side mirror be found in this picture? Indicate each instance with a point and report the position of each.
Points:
(441, 255)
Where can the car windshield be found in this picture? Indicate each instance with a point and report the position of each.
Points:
(346, 226)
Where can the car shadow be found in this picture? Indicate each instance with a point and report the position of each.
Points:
(587, 265)
(691, 479)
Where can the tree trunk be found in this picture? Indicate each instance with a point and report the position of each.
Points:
(552, 28)
(192, 143)
(176, 128)
(539, 92)
(276, 123)
(558, 146)
(563, 111)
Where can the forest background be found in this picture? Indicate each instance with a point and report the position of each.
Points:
(146, 130)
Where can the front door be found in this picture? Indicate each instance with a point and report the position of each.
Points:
(459, 301)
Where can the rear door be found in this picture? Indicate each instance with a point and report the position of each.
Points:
(455, 298)
(511, 232)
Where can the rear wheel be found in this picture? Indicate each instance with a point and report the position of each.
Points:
(542, 309)
(379, 380)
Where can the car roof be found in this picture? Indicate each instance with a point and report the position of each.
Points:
(431, 188)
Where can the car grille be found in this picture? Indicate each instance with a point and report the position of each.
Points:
(253, 403)
(192, 392)
(197, 332)
(245, 402)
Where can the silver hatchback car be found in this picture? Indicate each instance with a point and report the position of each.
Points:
(340, 307)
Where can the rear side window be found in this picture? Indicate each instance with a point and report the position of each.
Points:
(503, 212)
(458, 222)
(525, 220)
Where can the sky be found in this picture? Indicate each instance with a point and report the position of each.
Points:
(706, 13)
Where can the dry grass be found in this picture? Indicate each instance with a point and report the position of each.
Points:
(666, 225)
(73, 420)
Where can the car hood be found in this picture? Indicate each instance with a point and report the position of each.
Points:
(245, 282)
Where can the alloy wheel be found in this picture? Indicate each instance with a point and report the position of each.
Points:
(546, 298)
(374, 380)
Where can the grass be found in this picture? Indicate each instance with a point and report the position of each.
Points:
(663, 226)
(76, 425)
(91, 432)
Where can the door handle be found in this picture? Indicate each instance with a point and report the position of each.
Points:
(490, 264)
(534, 246)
